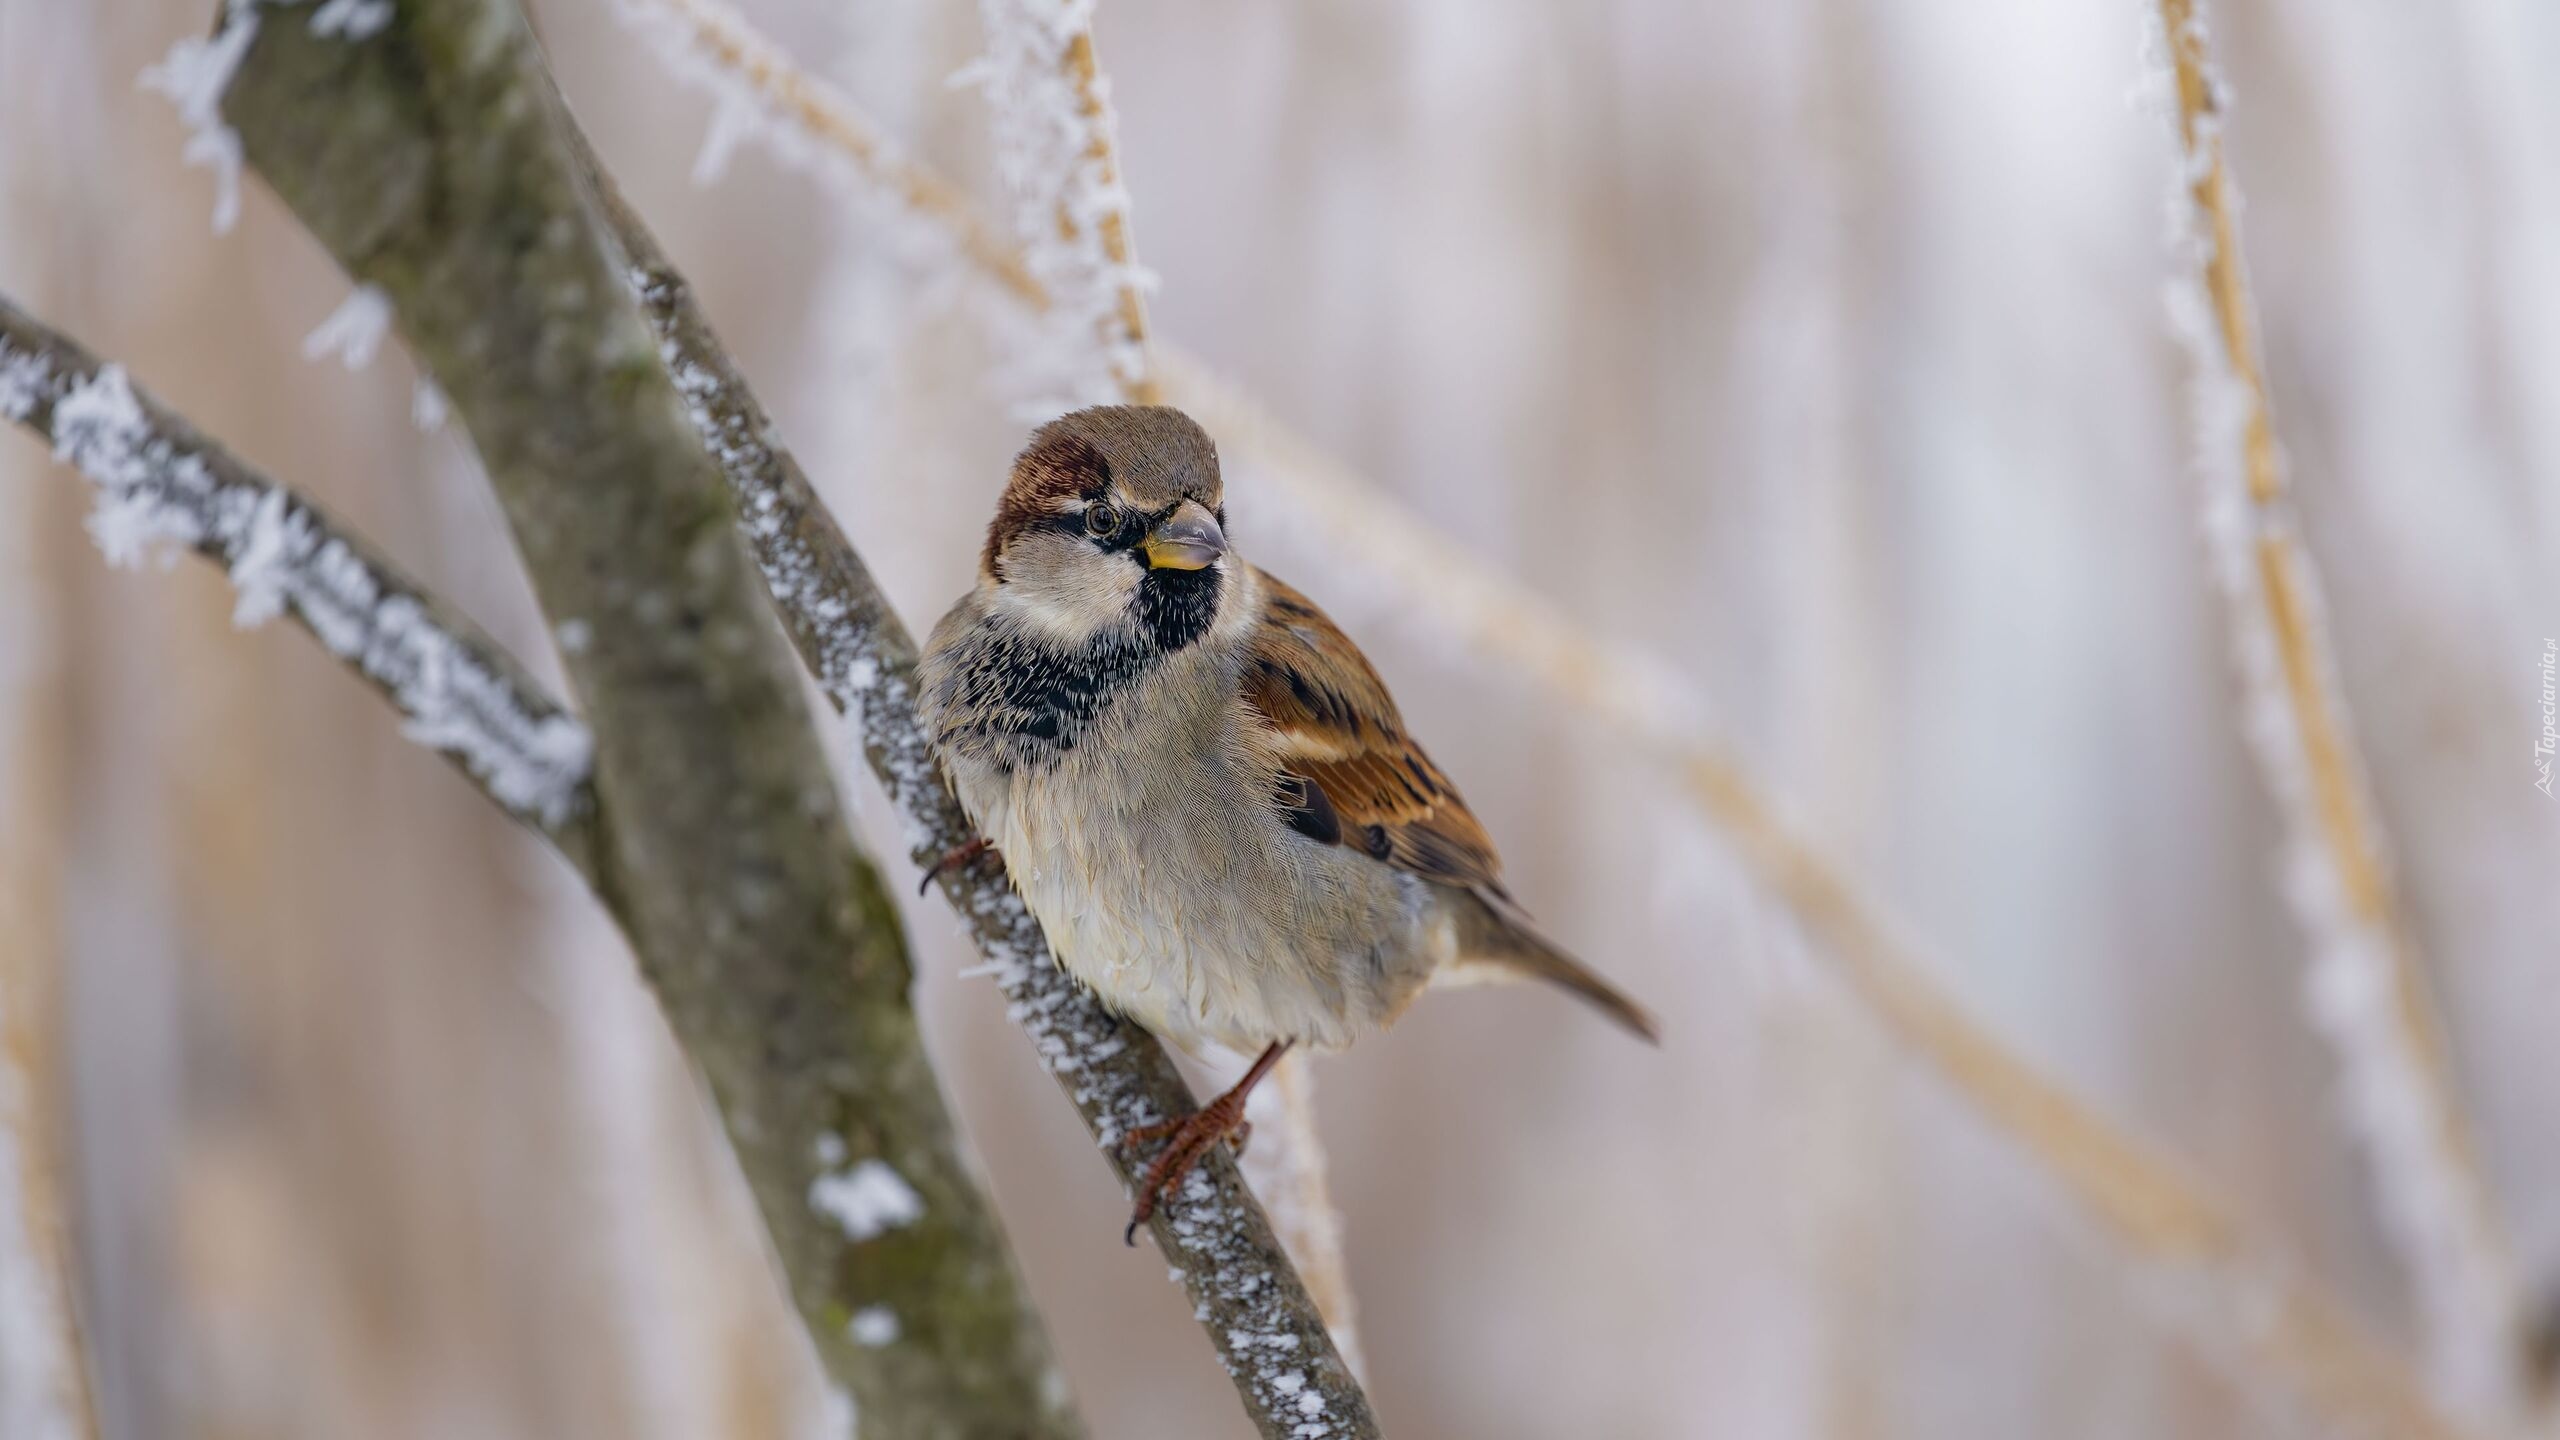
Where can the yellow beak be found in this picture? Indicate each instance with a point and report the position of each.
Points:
(1188, 539)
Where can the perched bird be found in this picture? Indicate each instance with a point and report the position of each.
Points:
(1195, 779)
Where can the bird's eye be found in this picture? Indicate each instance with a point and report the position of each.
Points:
(1102, 519)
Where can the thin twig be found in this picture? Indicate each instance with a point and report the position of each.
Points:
(2165, 1221)
(2369, 989)
(1057, 148)
(811, 125)
(160, 481)
(1111, 221)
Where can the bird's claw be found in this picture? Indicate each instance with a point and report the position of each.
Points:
(1187, 1139)
(952, 859)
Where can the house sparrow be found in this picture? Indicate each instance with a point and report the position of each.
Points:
(1195, 779)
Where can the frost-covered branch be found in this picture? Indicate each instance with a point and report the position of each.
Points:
(160, 482)
(1057, 148)
(2173, 1235)
(1267, 1330)
(2368, 986)
(431, 155)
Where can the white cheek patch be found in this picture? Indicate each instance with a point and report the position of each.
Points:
(1065, 589)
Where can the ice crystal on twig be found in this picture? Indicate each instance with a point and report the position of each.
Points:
(353, 333)
(194, 75)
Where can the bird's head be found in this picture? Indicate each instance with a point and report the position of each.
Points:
(1110, 528)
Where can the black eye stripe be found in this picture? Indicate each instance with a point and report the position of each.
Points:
(1134, 524)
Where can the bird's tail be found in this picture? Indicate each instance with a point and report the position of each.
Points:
(1497, 940)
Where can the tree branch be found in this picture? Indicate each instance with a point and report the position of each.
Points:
(159, 480)
(429, 158)
(1266, 1329)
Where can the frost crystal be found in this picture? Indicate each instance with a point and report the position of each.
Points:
(194, 75)
(873, 1326)
(351, 20)
(261, 568)
(427, 407)
(838, 1417)
(733, 119)
(867, 1200)
(24, 380)
(152, 493)
(354, 331)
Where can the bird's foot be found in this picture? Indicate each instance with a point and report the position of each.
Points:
(955, 857)
(1190, 1137)
(1187, 1139)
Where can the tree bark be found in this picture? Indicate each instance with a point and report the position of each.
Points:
(430, 158)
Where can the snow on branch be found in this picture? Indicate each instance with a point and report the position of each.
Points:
(2172, 1235)
(1267, 1330)
(160, 483)
(2367, 987)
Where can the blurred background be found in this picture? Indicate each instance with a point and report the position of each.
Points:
(1815, 346)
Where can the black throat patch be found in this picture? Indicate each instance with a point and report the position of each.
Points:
(1033, 701)
(1175, 607)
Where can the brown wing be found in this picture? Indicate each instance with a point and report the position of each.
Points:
(1350, 775)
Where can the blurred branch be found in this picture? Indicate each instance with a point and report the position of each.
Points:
(1267, 1331)
(430, 157)
(1287, 1169)
(810, 125)
(2169, 1226)
(1056, 145)
(44, 1384)
(44, 1372)
(160, 480)
(2369, 988)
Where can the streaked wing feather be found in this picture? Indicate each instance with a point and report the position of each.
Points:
(1334, 727)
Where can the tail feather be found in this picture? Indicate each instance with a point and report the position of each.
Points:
(1496, 934)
